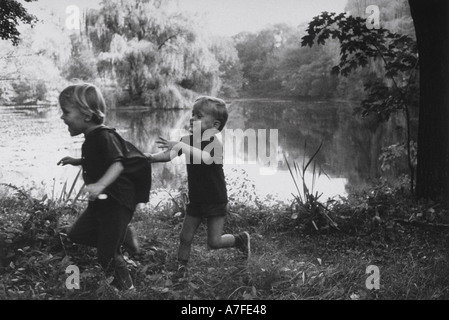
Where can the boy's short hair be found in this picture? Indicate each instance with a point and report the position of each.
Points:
(218, 107)
(88, 98)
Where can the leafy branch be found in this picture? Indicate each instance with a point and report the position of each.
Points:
(12, 13)
(359, 46)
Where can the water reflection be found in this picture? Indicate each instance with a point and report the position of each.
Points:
(349, 154)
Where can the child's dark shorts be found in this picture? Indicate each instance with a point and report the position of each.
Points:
(205, 210)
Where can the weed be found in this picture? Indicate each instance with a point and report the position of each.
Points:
(306, 207)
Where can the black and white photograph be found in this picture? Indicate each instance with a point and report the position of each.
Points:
(218, 156)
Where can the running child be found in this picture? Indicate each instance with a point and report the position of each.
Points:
(206, 181)
(112, 194)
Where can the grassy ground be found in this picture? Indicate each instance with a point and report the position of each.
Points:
(405, 240)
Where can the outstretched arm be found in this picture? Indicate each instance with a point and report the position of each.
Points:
(163, 156)
(197, 155)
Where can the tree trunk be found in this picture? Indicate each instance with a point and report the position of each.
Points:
(431, 20)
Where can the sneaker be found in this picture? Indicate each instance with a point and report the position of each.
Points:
(244, 244)
(122, 279)
(116, 283)
(131, 243)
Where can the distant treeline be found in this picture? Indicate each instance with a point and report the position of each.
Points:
(274, 63)
(144, 52)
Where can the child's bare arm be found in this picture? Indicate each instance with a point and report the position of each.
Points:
(159, 157)
(109, 177)
(198, 155)
(69, 160)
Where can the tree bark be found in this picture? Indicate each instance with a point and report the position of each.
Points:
(431, 20)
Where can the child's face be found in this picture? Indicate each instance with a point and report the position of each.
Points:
(205, 116)
(76, 121)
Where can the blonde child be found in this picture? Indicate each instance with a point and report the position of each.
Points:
(112, 193)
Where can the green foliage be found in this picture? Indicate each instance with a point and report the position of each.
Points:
(29, 92)
(231, 76)
(275, 64)
(304, 72)
(259, 55)
(153, 54)
(33, 65)
(391, 154)
(137, 52)
(82, 63)
(360, 46)
(12, 13)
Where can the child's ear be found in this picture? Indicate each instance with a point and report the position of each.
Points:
(217, 124)
(88, 118)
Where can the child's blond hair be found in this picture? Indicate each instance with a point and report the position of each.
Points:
(218, 107)
(87, 98)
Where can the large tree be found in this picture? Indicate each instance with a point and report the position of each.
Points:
(11, 14)
(432, 33)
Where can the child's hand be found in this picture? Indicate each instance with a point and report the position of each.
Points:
(166, 144)
(94, 190)
(68, 160)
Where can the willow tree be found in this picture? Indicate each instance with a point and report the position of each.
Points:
(153, 53)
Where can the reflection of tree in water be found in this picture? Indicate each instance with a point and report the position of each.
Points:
(351, 146)
(144, 127)
(357, 146)
(297, 123)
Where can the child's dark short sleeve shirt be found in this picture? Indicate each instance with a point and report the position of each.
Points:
(100, 150)
(206, 181)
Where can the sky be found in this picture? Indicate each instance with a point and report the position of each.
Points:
(229, 17)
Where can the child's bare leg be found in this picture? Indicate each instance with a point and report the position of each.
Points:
(215, 239)
(131, 243)
(189, 227)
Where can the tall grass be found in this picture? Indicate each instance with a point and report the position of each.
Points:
(65, 196)
(61, 199)
(307, 207)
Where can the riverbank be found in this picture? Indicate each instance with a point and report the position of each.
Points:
(382, 230)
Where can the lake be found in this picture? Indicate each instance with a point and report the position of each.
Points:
(33, 141)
